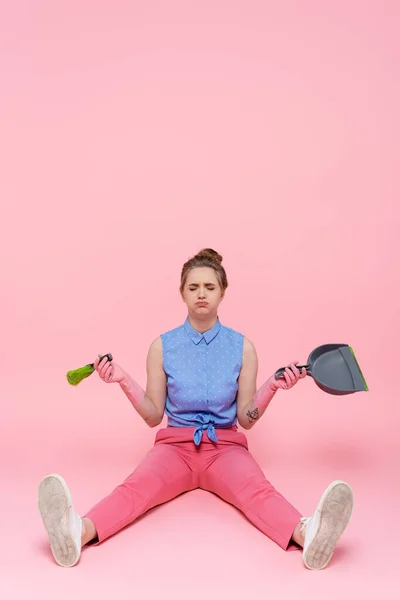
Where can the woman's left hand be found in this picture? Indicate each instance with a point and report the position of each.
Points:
(291, 377)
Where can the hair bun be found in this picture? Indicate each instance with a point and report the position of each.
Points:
(211, 254)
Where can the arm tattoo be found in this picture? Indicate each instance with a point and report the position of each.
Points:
(253, 415)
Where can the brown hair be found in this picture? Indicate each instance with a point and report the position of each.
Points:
(207, 257)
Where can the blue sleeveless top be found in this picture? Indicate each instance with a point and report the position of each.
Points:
(202, 370)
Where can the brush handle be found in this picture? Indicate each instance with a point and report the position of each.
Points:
(109, 356)
(279, 373)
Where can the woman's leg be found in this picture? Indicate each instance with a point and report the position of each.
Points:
(162, 475)
(236, 477)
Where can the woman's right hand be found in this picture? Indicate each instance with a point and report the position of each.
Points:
(109, 371)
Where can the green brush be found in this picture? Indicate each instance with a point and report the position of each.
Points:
(76, 375)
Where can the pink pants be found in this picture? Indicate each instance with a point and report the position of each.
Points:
(175, 465)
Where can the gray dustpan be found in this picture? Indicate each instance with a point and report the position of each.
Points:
(334, 369)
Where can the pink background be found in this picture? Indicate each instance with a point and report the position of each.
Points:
(134, 134)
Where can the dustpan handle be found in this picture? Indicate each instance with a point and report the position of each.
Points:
(279, 373)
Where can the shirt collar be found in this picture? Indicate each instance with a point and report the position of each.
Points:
(196, 336)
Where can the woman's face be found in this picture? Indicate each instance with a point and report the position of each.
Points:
(202, 293)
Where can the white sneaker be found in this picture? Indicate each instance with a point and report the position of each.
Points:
(325, 527)
(63, 525)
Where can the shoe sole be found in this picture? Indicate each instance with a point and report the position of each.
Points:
(336, 507)
(55, 505)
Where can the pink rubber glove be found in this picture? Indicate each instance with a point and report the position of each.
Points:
(267, 391)
(109, 371)
(291, 377)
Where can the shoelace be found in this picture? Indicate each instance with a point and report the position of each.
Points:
(304, 521)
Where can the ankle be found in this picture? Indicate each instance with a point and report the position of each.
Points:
(88, 531)
(299, 534)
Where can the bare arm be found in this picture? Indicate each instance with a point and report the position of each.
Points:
(150, 405)
(247, 410)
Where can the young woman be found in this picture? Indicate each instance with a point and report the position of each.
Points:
(202, 374)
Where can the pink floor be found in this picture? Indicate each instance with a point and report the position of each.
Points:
(196, 545)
